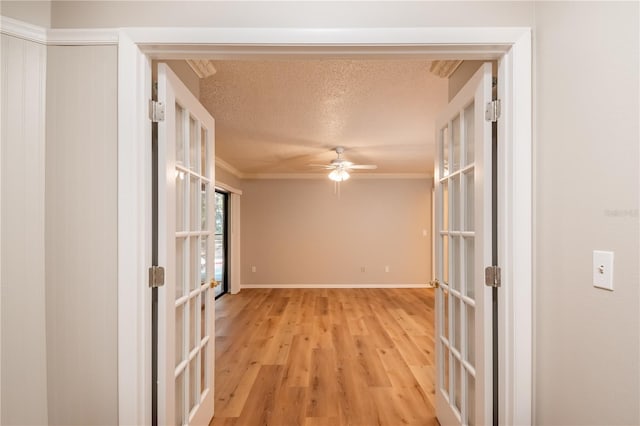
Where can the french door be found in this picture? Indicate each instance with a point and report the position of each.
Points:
(463, 178)
(186, 246)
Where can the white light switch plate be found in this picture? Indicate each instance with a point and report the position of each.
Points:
(603, 269)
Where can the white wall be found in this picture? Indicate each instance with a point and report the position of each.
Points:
(81, 235)
(291, 14)
(587, 176)
(22, 177)
(225, 177)
(35, 12)
(298, 232)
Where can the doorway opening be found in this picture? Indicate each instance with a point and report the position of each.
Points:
(511, 46)
(471, 114)
(221, 243)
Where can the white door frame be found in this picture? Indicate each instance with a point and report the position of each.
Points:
(512, 48)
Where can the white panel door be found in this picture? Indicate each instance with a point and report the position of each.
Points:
(463, 249)
(185, 245)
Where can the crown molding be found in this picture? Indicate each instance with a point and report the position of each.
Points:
(229, 168)
(23, 30)
(356, 176)
(58, 37)
(443, 68)
(202, 67)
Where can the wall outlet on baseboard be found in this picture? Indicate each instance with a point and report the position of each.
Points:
(253, 269)
(362, 269)
(386, 268)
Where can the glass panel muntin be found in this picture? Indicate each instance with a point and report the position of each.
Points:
(456, 291)
(193, 176)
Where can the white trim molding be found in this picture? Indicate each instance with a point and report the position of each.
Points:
(228, 167)
(57, 36)
(134, 235)
(370, 285)
(510, 46)
(23, 30)
(83, 37)
(227, 188)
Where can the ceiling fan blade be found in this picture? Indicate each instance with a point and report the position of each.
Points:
(323, 166)
(363, 166)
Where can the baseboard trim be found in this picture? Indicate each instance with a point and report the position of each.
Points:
(334, 286)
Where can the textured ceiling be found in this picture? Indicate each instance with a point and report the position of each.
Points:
(278, 116)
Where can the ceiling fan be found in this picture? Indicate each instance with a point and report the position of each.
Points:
(340, 167)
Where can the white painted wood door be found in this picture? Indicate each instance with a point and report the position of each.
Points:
(186, 334)
(463, 248)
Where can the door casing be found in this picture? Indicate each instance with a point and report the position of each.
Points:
(138, 46)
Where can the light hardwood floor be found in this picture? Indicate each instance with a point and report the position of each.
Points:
(325, 357)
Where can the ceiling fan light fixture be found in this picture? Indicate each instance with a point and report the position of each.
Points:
(339, 175)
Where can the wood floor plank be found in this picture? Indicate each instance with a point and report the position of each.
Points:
(320, 357)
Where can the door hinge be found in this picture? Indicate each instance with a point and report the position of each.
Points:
(156, 111)
(492, 112)
(492, 276)
(156, 276)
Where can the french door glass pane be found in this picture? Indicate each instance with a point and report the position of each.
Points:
(194, 278)
(179, 327)
(469, 266)
(445, 378)
(179, 395)
(180, 271)
(455, 142)
(204, 157)
(181, 184)
(193, 318)
(457, 383)
(444, 159)
(179, 134)
(204, 190)
(445, 259)
(454, 202)
(445, 314)
(469, 133)
(194, 398)
(445, 206)
(455, 262)
(204, 256)
(194, 203)
(194, 144)
(204, 369)
(455, 322)
(471, 399)
(470, 355)
(204, 308)
(468, 198)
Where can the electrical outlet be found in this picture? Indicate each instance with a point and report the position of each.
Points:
(362, 269)
(253, 269)
(603, 269)
(386, 268)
